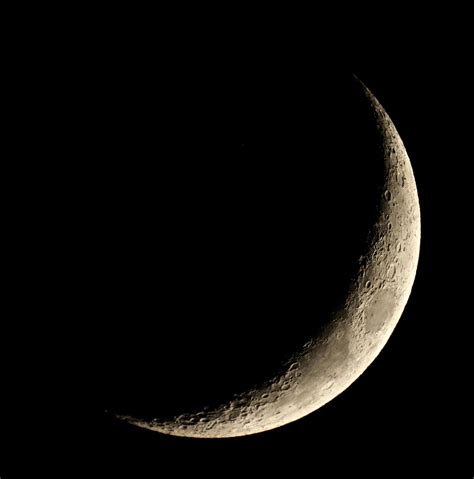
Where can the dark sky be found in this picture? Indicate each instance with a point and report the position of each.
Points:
(269, 169)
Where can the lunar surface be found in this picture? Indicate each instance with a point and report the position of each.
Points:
(356, 333)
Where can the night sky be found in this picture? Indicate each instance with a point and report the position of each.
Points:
(184, 227)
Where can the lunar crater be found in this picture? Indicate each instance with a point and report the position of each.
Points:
(338, 354)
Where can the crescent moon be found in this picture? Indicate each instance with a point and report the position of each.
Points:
(329, 363)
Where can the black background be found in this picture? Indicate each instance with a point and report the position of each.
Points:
(192, 219)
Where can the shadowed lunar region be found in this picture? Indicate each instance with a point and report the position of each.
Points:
(346, 336)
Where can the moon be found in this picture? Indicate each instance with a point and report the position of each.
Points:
(355, 334)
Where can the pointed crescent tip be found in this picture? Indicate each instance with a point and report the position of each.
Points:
(121, 417)
(373, 100)
(361, 83)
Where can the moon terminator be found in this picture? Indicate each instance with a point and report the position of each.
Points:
(356, 333)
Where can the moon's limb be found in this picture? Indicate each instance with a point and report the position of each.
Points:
(356, 334)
